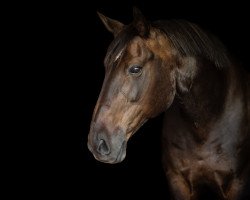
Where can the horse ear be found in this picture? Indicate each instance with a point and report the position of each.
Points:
(140, 22)
(112, 25)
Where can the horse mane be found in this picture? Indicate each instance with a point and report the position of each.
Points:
(190, 40)
(187, 38)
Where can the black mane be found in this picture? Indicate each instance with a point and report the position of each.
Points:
(189, 40)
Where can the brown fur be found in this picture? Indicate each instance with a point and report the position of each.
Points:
(206, 128)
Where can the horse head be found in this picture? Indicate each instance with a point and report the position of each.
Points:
(139, 84)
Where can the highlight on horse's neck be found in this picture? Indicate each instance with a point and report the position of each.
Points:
(195, 84)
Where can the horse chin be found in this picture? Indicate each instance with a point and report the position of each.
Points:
(122, 153)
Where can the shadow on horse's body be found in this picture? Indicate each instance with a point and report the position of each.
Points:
(176, 67)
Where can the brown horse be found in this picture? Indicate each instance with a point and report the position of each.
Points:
(177, 68)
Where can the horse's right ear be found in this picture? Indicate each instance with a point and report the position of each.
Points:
(112, 25)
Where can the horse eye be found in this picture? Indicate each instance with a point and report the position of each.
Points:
(135, 70)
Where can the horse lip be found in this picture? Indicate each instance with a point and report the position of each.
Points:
(90, 147)
(122, 153)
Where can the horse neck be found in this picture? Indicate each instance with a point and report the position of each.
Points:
(208, 95)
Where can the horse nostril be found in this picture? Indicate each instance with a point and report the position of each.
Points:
(103, 148)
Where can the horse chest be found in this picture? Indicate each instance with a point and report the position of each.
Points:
(192, 157)
(200, 160)
(199, 164)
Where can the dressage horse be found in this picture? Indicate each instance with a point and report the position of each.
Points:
(175, 67)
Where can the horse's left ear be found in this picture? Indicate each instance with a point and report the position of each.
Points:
(112, 25)
(140, 22)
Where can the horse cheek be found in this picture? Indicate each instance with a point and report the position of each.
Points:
(130, 92)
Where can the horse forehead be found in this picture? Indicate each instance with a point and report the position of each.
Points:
(135, 46)
(159, 44)
(156, 43)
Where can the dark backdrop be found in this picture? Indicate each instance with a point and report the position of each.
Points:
(74, 42)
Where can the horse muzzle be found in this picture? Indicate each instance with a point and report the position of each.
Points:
(105, 146)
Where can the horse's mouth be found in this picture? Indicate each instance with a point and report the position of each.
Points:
(122, 153)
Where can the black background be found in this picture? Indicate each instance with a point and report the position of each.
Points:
(72, 44)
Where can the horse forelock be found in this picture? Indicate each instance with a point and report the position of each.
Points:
(118, 45)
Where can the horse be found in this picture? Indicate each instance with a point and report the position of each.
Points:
(175, 67)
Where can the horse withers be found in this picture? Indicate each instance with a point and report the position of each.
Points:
(177, 68)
